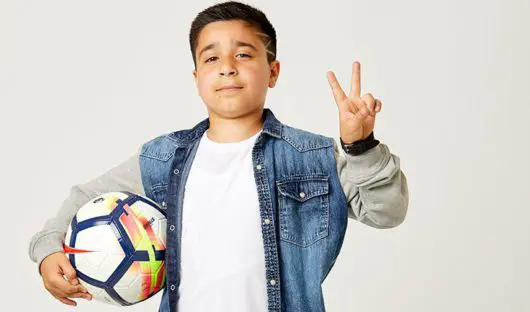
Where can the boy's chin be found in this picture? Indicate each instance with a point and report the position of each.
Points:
(232, 110)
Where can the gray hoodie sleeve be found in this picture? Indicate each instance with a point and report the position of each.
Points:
(124, 177)
(375, 187)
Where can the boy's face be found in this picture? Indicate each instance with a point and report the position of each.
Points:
(231, 53)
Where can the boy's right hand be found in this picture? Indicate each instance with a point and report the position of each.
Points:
(54, 268)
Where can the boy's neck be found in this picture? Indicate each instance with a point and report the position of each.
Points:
(229, 130)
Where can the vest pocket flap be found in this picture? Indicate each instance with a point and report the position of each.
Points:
(303, 188)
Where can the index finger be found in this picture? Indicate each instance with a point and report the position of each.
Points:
(338, 93)
(356, 80)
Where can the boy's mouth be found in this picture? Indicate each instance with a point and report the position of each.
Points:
(229, 88)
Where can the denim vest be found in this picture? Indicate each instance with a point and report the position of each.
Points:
(302, 206)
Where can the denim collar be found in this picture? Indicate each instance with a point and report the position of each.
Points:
(271, 126)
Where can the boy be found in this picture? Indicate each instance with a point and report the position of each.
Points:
(256, 210)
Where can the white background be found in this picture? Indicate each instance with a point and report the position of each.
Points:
(84, 83)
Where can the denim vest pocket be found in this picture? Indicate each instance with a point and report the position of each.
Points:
(303, 208)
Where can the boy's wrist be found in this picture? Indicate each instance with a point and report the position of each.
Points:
(360, 146)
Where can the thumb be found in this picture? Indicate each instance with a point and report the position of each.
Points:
(69, 271)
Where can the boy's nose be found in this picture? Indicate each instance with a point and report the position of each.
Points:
(227, 72)
(227, 68)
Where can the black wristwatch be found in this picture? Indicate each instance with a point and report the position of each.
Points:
(361, 146)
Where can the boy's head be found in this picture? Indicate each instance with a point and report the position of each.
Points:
(233, 44)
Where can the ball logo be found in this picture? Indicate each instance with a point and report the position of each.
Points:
(98, 200)
(149, 223)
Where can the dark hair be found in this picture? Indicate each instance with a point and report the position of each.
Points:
(233, 10)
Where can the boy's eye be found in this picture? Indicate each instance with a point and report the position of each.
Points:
(213, 58)
(210, 58)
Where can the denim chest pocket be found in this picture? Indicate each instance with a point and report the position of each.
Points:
(303, 209)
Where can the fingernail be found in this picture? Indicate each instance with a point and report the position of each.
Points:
(75, 281)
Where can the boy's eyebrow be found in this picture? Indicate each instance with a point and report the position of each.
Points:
(236, 42)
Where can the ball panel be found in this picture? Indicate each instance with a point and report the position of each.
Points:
(147, 209)
(159, 229)
(129, 277)
(141, 281)
(139, 228)
(97, 265)
(96, 292)
(100, 238)
(100, 206)
(156, 220)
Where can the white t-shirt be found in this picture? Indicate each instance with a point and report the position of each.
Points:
(222, 258)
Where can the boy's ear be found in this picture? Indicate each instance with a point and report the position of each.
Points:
(195, 77)
(274, 73)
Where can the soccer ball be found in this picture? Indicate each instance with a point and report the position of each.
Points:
(116, 242)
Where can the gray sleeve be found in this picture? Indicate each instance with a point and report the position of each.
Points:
(375, 187)
(125, 176)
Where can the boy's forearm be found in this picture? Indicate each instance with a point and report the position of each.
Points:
(375, 187)
(124, 177)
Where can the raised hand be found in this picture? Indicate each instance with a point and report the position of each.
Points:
(356, 113)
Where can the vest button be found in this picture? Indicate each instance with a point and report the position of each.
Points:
(267, 221)
(302, 194)
(176, 171)
(171, 227)
(273, 282)
(172, 287)
(258, 167)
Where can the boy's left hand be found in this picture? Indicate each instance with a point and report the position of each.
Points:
(356, 113)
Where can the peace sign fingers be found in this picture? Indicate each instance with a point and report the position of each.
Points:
(356, 113)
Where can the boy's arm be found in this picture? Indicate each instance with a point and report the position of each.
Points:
(375, 187)
(124, 177)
